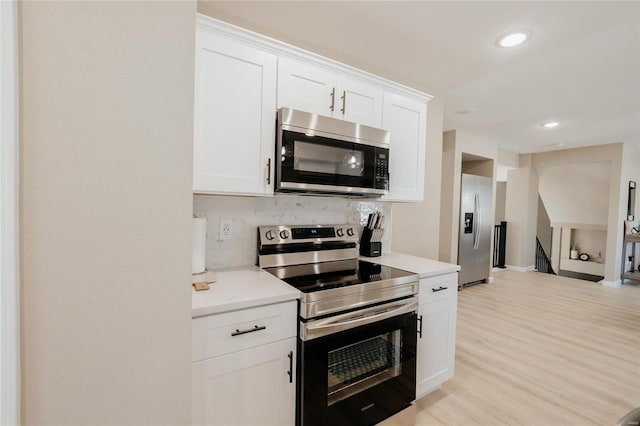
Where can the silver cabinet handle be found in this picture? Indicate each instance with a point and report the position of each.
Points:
(344, 101)
(251, 330)
(439, 289)
(269, 171)
(333, 99)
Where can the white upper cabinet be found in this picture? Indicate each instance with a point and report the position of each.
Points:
(311, 88)
(406, 119)
(241, 78)
(235, 107)
(305, 87)
(359, 102)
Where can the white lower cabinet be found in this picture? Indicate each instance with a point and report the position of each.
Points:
(437, 332)
(243, 384)
(251, 387)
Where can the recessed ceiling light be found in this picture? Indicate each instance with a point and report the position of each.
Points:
(513, 39)
(550, 124)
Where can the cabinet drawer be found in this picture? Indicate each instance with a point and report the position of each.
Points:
(438, 288)
(228, 332)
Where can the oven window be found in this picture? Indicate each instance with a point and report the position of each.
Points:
(359, 366)
(312, 157)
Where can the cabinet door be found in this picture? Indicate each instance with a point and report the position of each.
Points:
(306, 87)
(249, 387)
(359, 102)
(407, 121)
(235, 107)
(436, 347)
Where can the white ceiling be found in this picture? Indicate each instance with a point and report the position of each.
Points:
(581, 66)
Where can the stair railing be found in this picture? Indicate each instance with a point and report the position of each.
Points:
(543, 264)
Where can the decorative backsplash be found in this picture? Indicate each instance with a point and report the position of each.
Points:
(247, 213)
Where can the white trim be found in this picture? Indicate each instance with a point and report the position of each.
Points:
(616, 283)
(9, 217)
(280, 48)
(521, 268)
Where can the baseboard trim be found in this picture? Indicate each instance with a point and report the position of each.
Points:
(616, 283)
(521, 268)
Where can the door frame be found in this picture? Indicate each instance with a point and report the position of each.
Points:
(9, 216)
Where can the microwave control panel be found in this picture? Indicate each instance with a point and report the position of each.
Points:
(382, 169)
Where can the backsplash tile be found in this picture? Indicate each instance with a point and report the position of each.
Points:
(247, 213)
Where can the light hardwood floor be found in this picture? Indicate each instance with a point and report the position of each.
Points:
(538, 349)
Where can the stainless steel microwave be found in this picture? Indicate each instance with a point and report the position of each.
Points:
(317, 154)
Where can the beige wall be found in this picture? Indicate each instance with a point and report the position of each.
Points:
(577, 193)
(508, 158)
(521, 214)
(478, 167)
(107, 118)
(501, 193)
(459, 145)
(620, 169)
(416, 226)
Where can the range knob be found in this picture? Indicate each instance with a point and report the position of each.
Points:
(340, 232)
(350, 232)
(270, 235)
(284, 234)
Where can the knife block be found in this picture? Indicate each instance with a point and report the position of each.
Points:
(370, 244)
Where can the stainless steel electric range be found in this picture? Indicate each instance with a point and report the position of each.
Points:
(357, 324)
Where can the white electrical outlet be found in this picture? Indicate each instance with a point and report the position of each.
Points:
(226, 229)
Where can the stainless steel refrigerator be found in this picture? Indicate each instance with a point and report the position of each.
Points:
(476, 224)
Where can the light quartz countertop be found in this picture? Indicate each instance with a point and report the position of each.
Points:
(240, 288)
(419, 265)
(250, 286)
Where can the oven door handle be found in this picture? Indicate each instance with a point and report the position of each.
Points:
(334, 324)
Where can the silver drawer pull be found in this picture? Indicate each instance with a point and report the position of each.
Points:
(251, 330)
(439, 289)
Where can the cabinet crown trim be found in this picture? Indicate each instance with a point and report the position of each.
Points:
(284, 49)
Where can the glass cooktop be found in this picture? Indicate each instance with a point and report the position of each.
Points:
(314, 277)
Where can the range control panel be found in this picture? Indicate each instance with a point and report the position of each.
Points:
(306, 233)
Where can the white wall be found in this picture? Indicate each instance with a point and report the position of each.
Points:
(247, 213)
(107, 122)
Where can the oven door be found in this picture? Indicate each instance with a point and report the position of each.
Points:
(322, 164)
(358, 376)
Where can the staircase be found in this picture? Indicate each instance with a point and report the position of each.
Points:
(543, 264)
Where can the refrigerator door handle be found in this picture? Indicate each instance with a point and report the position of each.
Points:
(476, 234)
